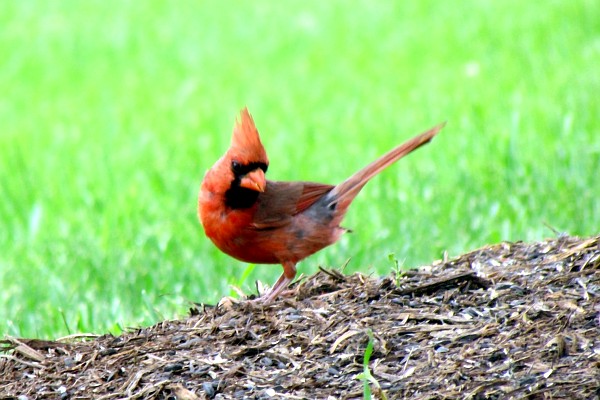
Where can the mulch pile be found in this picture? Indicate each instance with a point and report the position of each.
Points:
(508, 321)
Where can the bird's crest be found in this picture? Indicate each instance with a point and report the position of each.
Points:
(246, 146)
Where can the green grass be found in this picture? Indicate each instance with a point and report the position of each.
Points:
(366, 377)
(110, 112)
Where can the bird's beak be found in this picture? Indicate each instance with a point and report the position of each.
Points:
(254, 180)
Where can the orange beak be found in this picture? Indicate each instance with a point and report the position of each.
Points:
(254, 180)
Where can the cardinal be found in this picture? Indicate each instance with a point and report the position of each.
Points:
(260, 221)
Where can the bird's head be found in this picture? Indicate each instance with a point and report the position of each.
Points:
(248, 158)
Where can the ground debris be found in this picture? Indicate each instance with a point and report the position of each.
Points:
(508, 321)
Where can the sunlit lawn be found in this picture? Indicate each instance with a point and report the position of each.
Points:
(110, 112)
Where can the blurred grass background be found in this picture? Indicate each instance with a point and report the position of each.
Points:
(111, 111)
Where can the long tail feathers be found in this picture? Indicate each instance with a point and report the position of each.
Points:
(345, 192)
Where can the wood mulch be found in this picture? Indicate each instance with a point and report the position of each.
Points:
(509, 321)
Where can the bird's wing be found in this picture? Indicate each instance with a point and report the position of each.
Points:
(282, 200)
(310, 194)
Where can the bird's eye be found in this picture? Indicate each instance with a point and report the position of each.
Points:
(236, 166)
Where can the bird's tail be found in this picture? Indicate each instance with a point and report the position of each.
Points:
(342, 195)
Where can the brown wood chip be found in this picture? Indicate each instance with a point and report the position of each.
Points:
(513, 320)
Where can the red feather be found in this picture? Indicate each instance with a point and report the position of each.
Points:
(261, 221)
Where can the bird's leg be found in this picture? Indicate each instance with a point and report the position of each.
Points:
(289, 273)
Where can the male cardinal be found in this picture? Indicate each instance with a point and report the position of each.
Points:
(260, 221)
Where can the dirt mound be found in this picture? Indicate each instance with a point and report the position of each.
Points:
(513, 320)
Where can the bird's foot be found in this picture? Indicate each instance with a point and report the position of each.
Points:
(277, 290)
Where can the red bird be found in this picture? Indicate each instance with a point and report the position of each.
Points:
(260, 221)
